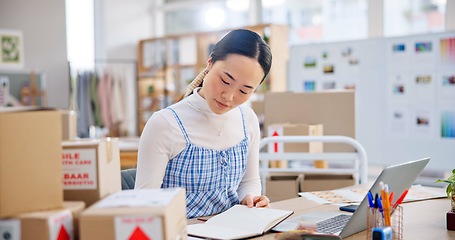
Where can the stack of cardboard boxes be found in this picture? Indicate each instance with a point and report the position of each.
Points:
(46, 183)
(31, 199)
(286, 185)
(91, 173)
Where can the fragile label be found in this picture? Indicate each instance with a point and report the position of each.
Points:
(61, 226)
(138, 227)
(79, 169)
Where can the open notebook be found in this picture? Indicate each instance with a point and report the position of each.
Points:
(239, 222)
(399, 177)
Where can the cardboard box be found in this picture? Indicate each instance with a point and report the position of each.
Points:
(319, 182)
(289, 129)
(296, 129)
(91, 169)
(282, 186)
(30, 160)
(335, 110)
(43, 225)
(76, 208)
(130, 214)
(69, 125)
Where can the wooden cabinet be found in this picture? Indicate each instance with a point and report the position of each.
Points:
(168, 64)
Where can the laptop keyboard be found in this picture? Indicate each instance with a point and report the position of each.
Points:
(333, 225)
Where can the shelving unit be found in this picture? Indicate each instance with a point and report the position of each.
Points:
(166, 65)
(25, 87)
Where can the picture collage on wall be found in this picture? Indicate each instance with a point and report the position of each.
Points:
(330, 69)
(417, 72)
(421, 78)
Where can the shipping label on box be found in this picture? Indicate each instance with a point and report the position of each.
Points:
(61, 226)
(91, 169)
(139, 198)
(138, 227)
(10, 229)
(79, 168)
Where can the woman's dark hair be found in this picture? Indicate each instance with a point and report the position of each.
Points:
(246, 43)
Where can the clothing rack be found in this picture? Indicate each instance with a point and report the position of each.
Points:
(129, 91)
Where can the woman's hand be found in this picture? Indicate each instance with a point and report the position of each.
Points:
(256, 201)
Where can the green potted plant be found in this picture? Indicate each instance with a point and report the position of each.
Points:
(450, 188)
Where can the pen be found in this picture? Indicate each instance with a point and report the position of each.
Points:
(370, 199)
(391, 197)
(376, 201)
(379, 204)
(377, 221)
(400, 199)
(386, 205)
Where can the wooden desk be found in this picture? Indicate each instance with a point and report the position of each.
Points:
(421, 219)
(128, 152)
(128, 159)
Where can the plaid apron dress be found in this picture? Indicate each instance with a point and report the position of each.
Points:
(210, 177)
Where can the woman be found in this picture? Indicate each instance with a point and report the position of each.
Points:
(207, 143)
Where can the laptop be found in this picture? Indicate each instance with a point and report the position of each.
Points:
(399, 178)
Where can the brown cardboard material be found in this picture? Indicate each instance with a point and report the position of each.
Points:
(51, 224)
(69, 125)
(258, 107)
(76, 208)
(319, 182)
(167, 218)
(298, 129)
(290, 129)
(30, 160)
(91, 169)
(335, 110)
(282, 186)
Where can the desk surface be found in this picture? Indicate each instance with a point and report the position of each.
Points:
(422, 219)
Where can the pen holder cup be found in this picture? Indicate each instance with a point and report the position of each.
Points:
(375, 219)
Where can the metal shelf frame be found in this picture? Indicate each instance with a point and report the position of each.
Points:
(358, 158)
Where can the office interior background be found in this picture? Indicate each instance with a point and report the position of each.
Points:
(61, 38)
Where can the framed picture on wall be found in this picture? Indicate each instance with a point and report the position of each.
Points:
(11, 49)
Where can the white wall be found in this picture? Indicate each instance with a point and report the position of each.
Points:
(119, 25)
(43, 26)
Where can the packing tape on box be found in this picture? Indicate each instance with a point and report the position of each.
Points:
(108, 150)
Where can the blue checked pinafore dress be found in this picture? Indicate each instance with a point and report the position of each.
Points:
(210, 177)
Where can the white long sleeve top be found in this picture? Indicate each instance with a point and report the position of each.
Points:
(162, 139)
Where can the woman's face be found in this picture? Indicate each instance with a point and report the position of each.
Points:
(231, 82)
